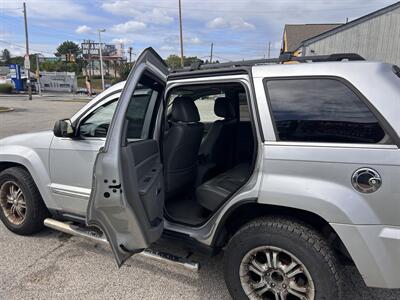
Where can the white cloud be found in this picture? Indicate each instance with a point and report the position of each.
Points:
(124, 41)
(83, 29)
(128, 27)
(156, 16)
(241, 25)
(148, 15)
(235, 23)
(168, 48)
(218, 22)
(47, 9)
(195, 41)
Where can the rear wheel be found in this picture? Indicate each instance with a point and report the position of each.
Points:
(276, 258)
(21, 207)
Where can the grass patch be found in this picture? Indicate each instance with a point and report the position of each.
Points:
(96, 83)
(5, 109)
(6, 88)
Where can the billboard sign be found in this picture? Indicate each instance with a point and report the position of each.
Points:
(94, 49)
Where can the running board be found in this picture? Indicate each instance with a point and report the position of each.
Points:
(96, 237)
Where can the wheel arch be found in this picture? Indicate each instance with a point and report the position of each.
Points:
(6, 165)
(31, 161)
(249, 210)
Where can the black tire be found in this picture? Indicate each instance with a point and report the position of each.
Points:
(296, 237)
(35, 211)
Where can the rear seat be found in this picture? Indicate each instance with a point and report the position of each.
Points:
(214, 192)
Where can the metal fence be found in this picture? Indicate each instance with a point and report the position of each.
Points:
(58, 82)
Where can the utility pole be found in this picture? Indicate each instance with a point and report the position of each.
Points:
(90, 65)
(101, 59)
(269, 49)
(38, 74)
(28, 79)
(180, 31)
(211, 53)
(130, 54)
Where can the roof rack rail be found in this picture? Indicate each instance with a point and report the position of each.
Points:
(283, 58)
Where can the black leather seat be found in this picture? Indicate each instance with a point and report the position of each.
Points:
(218, 145)
(215, 191)
(181, 146)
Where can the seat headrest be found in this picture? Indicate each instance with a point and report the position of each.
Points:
(223, 108)
(184, 110)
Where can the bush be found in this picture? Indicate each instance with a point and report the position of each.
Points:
(6, 88)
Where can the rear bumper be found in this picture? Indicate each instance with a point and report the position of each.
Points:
(375, 250)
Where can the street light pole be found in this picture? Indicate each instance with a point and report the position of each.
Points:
(101, 59)
(180, 31)
(27, 65)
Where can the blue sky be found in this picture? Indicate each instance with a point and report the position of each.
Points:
(239, 29)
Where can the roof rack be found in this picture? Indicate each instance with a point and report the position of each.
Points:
(283, 58)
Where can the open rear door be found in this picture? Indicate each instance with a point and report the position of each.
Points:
(127, 196)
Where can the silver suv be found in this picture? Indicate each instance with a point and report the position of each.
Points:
(290, 169)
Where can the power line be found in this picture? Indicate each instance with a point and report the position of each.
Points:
(23, 47)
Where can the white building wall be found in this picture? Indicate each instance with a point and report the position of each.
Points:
(376, 39)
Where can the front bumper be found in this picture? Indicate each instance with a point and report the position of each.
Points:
(375, 250)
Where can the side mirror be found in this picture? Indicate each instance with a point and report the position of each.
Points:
(64, 128)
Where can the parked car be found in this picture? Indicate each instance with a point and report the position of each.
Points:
(290, 169)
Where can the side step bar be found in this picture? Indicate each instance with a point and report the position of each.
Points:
(95, 237)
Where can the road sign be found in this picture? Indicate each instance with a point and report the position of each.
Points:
(27, 62)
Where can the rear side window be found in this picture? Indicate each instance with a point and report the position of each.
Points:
(321, 110)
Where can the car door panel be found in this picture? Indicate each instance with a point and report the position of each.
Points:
(145, 156)
(123, 203)
(71, 166)
(71, 160)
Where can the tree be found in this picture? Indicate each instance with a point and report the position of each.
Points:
(68, 47)
(6, 57)
(174, 61)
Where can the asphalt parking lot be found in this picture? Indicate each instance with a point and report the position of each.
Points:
(54, 265)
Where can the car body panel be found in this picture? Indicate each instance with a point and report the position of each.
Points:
(375, 250)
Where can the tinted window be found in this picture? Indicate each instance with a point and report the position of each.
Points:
(321, 110)
(244, 112)
(136, 113)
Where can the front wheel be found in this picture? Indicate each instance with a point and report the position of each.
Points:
(277, 259)
(21, 207)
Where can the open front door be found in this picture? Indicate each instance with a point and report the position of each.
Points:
(127, 195)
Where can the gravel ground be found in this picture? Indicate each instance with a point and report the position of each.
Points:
(54, 265)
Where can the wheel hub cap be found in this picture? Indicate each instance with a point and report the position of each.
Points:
(274, 273)
(12, 202)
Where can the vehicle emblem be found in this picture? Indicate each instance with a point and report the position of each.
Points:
(366, 180)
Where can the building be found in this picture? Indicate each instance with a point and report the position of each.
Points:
(4, 75)
(295, 34)
(375, 36)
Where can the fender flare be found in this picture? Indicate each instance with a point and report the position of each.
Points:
(30, 159)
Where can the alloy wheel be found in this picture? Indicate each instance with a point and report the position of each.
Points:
(273, 273)
(12, 202)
